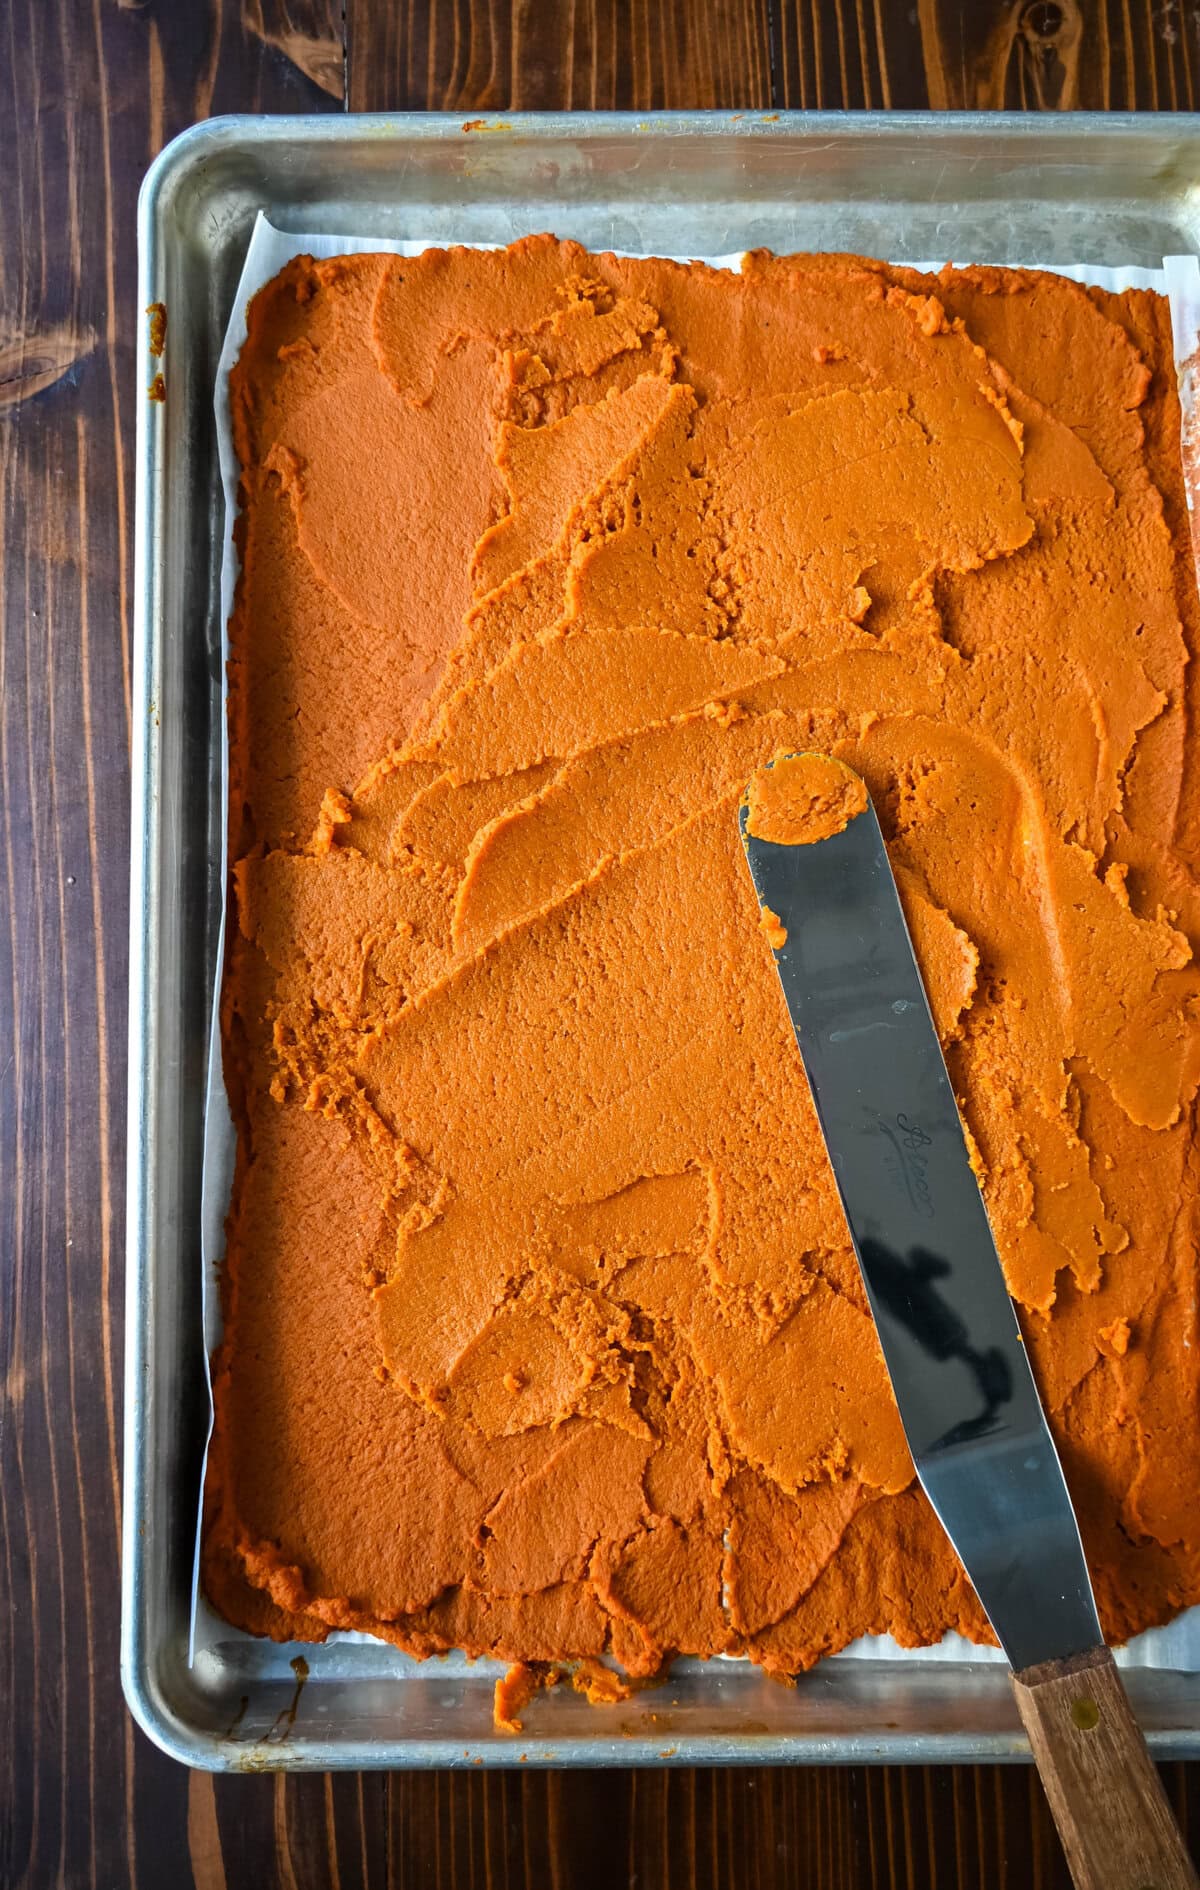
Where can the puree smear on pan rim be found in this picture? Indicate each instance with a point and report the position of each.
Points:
(544, 1337)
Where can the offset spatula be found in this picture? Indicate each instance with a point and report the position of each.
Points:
(949, 1334)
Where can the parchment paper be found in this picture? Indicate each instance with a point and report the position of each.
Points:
(1176, 1646)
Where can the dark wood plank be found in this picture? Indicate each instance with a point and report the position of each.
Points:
(307, 34)
(89, 91)
(468, 55)
(1059, 55)
(906, 1829)
(536, 55)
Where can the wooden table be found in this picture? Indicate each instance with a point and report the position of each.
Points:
(89, 91)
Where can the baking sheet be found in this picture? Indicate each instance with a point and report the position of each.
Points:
(1176, 1646)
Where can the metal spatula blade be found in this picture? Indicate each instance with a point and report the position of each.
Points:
(887, 1110)
(950, 1338)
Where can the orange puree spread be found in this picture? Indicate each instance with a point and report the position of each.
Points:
(774, 930)
(798, 799)
(544, 1337)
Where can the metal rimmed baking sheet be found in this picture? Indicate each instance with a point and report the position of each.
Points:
(991, 189)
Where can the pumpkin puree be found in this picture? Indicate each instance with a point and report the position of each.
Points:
(796, 800)
(543, 1333)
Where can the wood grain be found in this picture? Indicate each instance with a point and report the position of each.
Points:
(307, 33)
(89, 91)
(1108, 1803)
(1060, 55)
(643, 55)
(537, 55)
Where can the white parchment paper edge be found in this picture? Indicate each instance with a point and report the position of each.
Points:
(1176, 1646)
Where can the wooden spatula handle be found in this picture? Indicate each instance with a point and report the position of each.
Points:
(1116, 1826)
